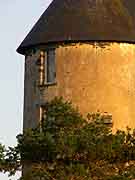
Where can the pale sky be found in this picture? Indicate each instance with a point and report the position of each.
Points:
(16, 20)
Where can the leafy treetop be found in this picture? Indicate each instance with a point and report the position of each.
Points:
(66, 146)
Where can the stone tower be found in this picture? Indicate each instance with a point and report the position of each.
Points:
(82, 50)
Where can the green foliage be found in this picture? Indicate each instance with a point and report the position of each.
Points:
(9, 160)
(2, 149)
(68, 147)
(1, 152)
(60, 114)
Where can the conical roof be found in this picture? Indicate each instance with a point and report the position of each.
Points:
(83, 20)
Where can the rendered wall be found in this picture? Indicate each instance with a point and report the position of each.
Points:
(93, 76)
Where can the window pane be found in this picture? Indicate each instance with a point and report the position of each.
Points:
(51, 71)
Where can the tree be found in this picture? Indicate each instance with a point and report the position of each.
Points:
(68, 147)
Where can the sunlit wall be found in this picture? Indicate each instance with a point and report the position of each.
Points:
(95, 77)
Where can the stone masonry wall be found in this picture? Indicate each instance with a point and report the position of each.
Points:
(93, 76)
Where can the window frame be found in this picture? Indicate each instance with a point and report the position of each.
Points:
(46, 82)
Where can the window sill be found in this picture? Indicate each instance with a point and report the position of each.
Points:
(48, 84)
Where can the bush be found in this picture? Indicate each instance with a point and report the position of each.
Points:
(68, 147)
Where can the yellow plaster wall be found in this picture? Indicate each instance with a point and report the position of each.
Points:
(97, 77)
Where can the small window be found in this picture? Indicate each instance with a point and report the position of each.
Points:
(42, 114)
(42, 117)
(50, 67)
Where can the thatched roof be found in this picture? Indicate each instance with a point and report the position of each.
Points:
(83, 20)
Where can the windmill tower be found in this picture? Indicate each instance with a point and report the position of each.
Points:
(82, 50)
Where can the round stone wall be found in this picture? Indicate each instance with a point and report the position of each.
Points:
(97, 77)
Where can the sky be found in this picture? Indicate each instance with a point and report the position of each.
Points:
(16, 20)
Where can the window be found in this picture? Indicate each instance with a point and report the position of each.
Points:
(50, 67)
(42, 116)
